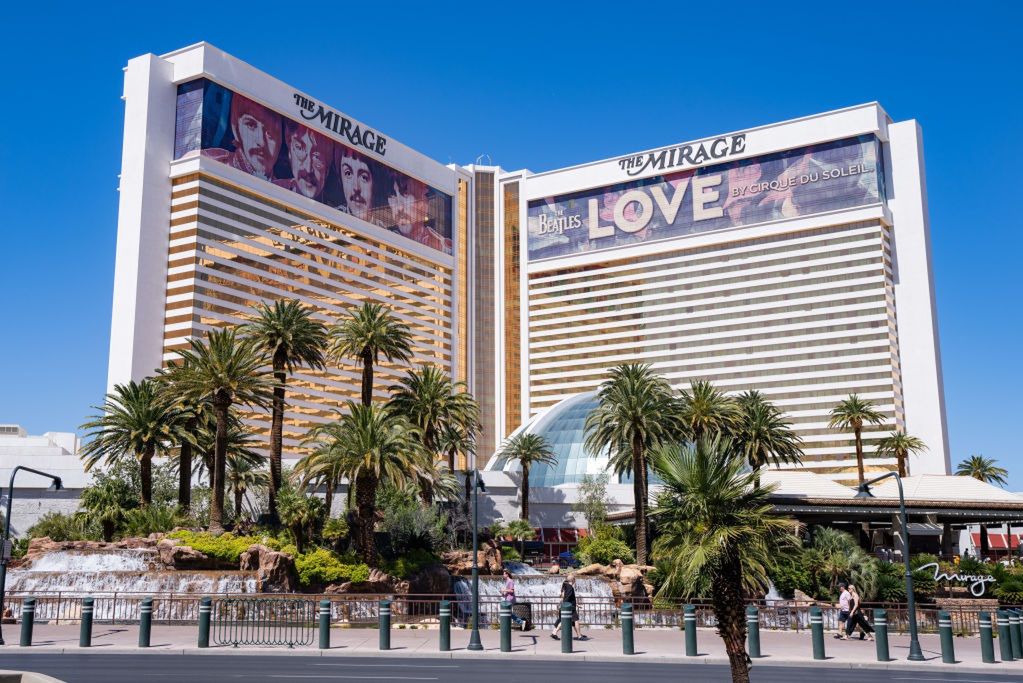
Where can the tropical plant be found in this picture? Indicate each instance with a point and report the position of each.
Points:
(328, 461)
(191, 416)
(242, 475)
(605, 545)
(717, 534)
(527, 449)
(321, 567)
(983, 469)
(762, 435)
(433, 479)
(335, 531)
(408, 525)
(521, 530)
(101, 505)
(225, 370)
(60, 527)
(152, 519)
(704, 410)
(853, 413)
(369, 332)
(593, 500)
(287, 332)
(136, 420)
(900, 445)
(299, 513)
(635, 412)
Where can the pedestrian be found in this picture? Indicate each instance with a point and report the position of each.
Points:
(568, 595)
(844, 601)
(857, 618)
(508, 593)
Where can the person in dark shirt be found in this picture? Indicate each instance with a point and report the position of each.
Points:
(568, 595)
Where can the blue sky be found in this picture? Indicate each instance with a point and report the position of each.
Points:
(534, 86)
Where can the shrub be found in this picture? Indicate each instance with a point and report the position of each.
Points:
(891, 582)
(407, 565)
(413, 527)
(510, 554)
(61, 527)
(322, 567)
(1010, 591)
(226, 547)
(152, 519)
(605, 551)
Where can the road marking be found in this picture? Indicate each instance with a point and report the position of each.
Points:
(394, 666)
(355, 678)
(947, 680)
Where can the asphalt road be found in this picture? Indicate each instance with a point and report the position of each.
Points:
(124, 668)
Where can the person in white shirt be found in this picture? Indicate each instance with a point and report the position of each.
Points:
(844, 601)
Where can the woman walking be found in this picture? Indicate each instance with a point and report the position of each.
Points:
(857, 618)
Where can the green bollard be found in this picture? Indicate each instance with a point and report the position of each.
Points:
(324, 624)
(1004, 639)
(445, 626)
(881, 635)
(85, 633)
(205, 612)
(689, 623)
(504, 619)
(28, 617)
(145, 621)
(566, 627)
(987, 643)
(628, 640)
(817, 630)
(385, 624)
(948, 652)
(753, 632)
(1014, 634)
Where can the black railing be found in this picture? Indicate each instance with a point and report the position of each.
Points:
(263, 621)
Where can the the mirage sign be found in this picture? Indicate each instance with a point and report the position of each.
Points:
(800, 182)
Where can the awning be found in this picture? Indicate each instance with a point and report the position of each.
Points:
(996, 541)
(924, 529)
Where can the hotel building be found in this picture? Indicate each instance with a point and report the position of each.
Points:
(792, 258)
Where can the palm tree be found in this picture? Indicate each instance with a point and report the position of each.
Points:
(762, 434)
(243, 475)
(521, 530)
(102, 505)
(367, 333)
(225, 370)
(853, 413)
(635, 412)
(717, 534)
(899, 445)
(705, 410)
(287, 332)
(192, 416)
(460, 439)
(299, 513)
(137, 419)
(983, 469)
(528, 449)
(380, 447)
(328, 461)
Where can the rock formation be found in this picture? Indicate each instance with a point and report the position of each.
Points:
(275, 571)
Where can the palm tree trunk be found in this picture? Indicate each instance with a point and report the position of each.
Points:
(328, 497)
(185, 470)
(859, 453)
(902, 463)
(220, 408)
(238, 494)
(367, 378)
(146, 472)
(365, 500)
(731, 617)
(524, 514)
(639, 493)
(451, 461)
(276, 435)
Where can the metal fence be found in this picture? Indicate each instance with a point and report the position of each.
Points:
(263, 621)
(422, 610)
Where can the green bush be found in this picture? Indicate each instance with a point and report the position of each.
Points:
(226, 547)
(605, 551)
(510, 554)
(322, 567)
(1010, 591)
(152, 519)
(61, 527)
(891, 582)
(409, 564)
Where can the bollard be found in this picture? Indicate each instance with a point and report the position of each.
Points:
(817, 629)
(689, 622)
(85, 633)
(145, 621)
(385, 624)
(1004, 639)
(987, 643)
(566, 627)
(324, 624)
(881, 634)
(753, 631)
(504, 619)
(205, 612)
(628, 642)
(1014, 634)
(28, 617)
(445, 626)
(948, 652)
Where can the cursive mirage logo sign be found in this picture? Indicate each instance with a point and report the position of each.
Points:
(978, 582)
(800, 182)
(340, 124)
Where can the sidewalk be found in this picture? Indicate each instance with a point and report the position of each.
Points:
(652, 645)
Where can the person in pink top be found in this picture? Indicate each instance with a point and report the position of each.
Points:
(508, 593)
(844, 601)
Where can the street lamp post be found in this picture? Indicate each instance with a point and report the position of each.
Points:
(4, 558)
(915, 653)
(474, 639)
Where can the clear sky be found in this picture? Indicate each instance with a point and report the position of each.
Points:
(537, 86)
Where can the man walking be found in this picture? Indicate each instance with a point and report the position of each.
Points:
(568, 595)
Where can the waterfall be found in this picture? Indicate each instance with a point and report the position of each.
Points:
(542, 591)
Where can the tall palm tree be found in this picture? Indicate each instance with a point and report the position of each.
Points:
(291, 337)
(635, 412)
(243, 475)
(762, 434)
(369, 332)
(983, 469)
(705, 410)
(225, 370)
(102, 505)
(428, 399)
(899, 445)
(853, 413)
(299, 513)
(717, 534)
(327, 462)
(192, 416)
(137, 420)
(528, 450)
(460, 439)
(381, 446)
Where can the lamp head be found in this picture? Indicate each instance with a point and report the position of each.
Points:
(57, 484)
(863, 491)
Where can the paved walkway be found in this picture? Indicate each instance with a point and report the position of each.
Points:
(652, 645)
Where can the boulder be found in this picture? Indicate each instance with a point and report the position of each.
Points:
(431, 580)
(590, 570)
(459, 562)
(379, 582)
(628, 575)
(554, 569)
(174, 556)
(275, 571)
